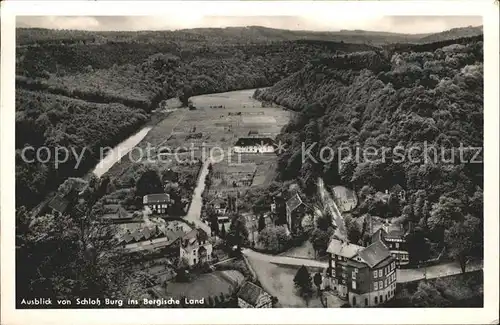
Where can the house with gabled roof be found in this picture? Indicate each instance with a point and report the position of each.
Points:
(365, 276)
(252, 296)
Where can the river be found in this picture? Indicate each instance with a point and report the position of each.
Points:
(114, 155)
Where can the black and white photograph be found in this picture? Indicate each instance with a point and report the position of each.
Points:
(258, 161)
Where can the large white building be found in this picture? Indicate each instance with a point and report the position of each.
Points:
(254, 145)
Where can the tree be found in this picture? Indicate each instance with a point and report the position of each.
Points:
(274, 238)
(323, 222)
(262, 223)
(238, 232)
(222, 231)
(320, 240)
(184, 95)
(148, 183)
(428, 296)
(213, 220)
(71, 255)
(318, 280)
(444, 213)
(302, 281)
(464, 240)
(418, 247)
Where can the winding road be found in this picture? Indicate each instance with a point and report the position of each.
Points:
(403, 275)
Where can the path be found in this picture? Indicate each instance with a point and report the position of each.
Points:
(285, 260)
(436, 271)
(329, 203)
(403, 275)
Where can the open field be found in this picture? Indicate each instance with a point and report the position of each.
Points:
(197, 131)
(278, 281)
(220, 119)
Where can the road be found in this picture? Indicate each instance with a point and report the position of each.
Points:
(403, 275)
(194, 212)
(329, 204)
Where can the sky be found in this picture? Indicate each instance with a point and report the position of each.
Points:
(396, 24)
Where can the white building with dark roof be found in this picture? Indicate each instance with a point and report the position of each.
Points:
(254, 145)
(157, 203)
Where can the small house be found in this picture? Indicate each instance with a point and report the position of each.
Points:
(252, 296)
(295, 210)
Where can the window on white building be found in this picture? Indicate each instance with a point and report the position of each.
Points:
(380, 273)
(380, 285)
(386, 282)
(375, 286)
(375, 273)
(354, 284)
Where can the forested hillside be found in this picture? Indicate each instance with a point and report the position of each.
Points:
(50, 120)
(399, 102)
(89, 90)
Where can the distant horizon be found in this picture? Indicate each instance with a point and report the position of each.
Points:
(250, 26)
(387, 24)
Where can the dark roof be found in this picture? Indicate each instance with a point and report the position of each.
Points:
(395, 231)
(156, 198)
(256, 141)
(141, 232)
(59, 204)
(294, 202)
(250, 293)
(193, 235)
(392, 231)
(374, 254)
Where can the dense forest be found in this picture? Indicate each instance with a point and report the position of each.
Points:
(52, 121)
(95, 95)
(402, 102)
